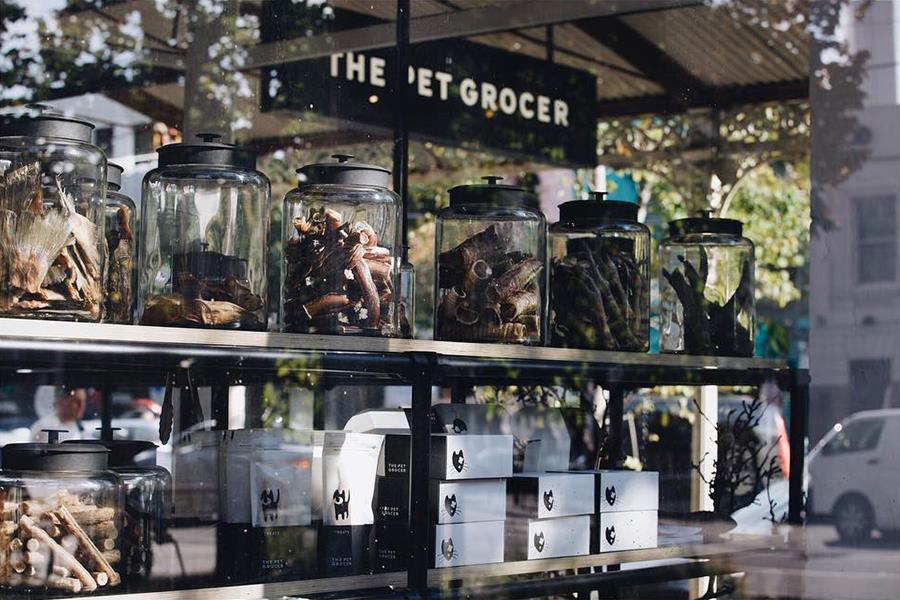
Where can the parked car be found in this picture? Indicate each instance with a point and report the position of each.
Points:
(855, 475)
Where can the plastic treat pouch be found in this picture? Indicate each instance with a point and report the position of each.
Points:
(349, 466)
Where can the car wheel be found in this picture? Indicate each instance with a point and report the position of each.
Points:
(853, 519)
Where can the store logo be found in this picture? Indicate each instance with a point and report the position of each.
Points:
(447, 549)
(611, 535)
(269, 502)
(539, 541)
(450, 504)
(548, 499)
(341, 500)
(459, 461)
(459, 426)
(611, 494)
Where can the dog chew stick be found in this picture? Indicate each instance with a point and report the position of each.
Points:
(60, 555)
(86, 545)
(101, 577)
(113, 557)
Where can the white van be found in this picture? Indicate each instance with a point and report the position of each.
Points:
(855, 474)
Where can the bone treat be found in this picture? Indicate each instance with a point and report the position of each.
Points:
(86, 545)
(60, 555)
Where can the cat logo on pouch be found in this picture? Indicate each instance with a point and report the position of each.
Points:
(611, 535)
(341, 500)
(611, 494)
(548, 499)
(450, 504)
(269, 501)
(459, 426)
(539, 541)
(459, 461)
(447, 549)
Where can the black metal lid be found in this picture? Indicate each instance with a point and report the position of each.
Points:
(207, 152)
(41, 122)
(598, 210)
(344, 172)
(54, 456)
(703, 223)
(495, 194)
(121, 452)
(114, 176)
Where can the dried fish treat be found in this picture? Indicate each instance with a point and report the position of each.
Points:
(341, 262)
(490, 263)
(204, 238)
(599, 266)
(51, 216)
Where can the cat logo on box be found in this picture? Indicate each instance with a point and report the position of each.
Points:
(269, 502)
(448, 550)
(539, 541)
(611, 535)
(459, 461)
(611, 494)
(548, 499)
(341, 504)
(459, 426)
(450, 505)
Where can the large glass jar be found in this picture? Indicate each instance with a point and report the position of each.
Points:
(121, 251)
(707, 288)
(62, 517)
(407, 297)
(489, 248)
(600, 277)
(51, 225)
(204, 238)
(341, 251)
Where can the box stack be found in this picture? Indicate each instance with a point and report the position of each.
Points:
(627, 509)
(466, 500)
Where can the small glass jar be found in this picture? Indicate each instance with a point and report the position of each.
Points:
(600, 277)
(148, 504)
(707, 288)
(407, 297)
(341, 251)
(121, 251)
(65, 509)
(204, 238)
(489, 247)
(51, 225)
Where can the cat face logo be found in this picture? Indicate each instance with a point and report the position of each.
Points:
(611, 535)
(611, 494)
(450, 504)
(341, 500)
(459, 426)
(539, 541)
(548, 499)
(447, 549)
(269, 502)
(459, 461)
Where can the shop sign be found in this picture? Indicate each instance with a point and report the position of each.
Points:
(459, 93)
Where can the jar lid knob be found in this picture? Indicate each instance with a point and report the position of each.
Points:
(492, 179)
(209, 137)
(37, 106)
(342, 158)
(703, 214)
(53, 434)
(599, 196)
(106, 433)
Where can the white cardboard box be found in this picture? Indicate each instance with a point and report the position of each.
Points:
(547, 495)
(555, 538)
(633, 530)
(459, 544)
(623, 491)
(471, 456)
(469, 501)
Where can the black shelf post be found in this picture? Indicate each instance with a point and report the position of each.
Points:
(420, 465)
(799, 429)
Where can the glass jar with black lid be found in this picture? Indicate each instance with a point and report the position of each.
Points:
(62, 516)
(600, 277)
(51, 226)
(121, 250)
(489, 252)
(341, 251)
(204, 238)
(707, 288)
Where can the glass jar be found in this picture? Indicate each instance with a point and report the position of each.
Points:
(51, 226)
(600, 277)
(121, 251)
(341, 251)
(204, 238)
(707, 288)
(148, 506)
(407, 297)
(489, 247)
(62, 517)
